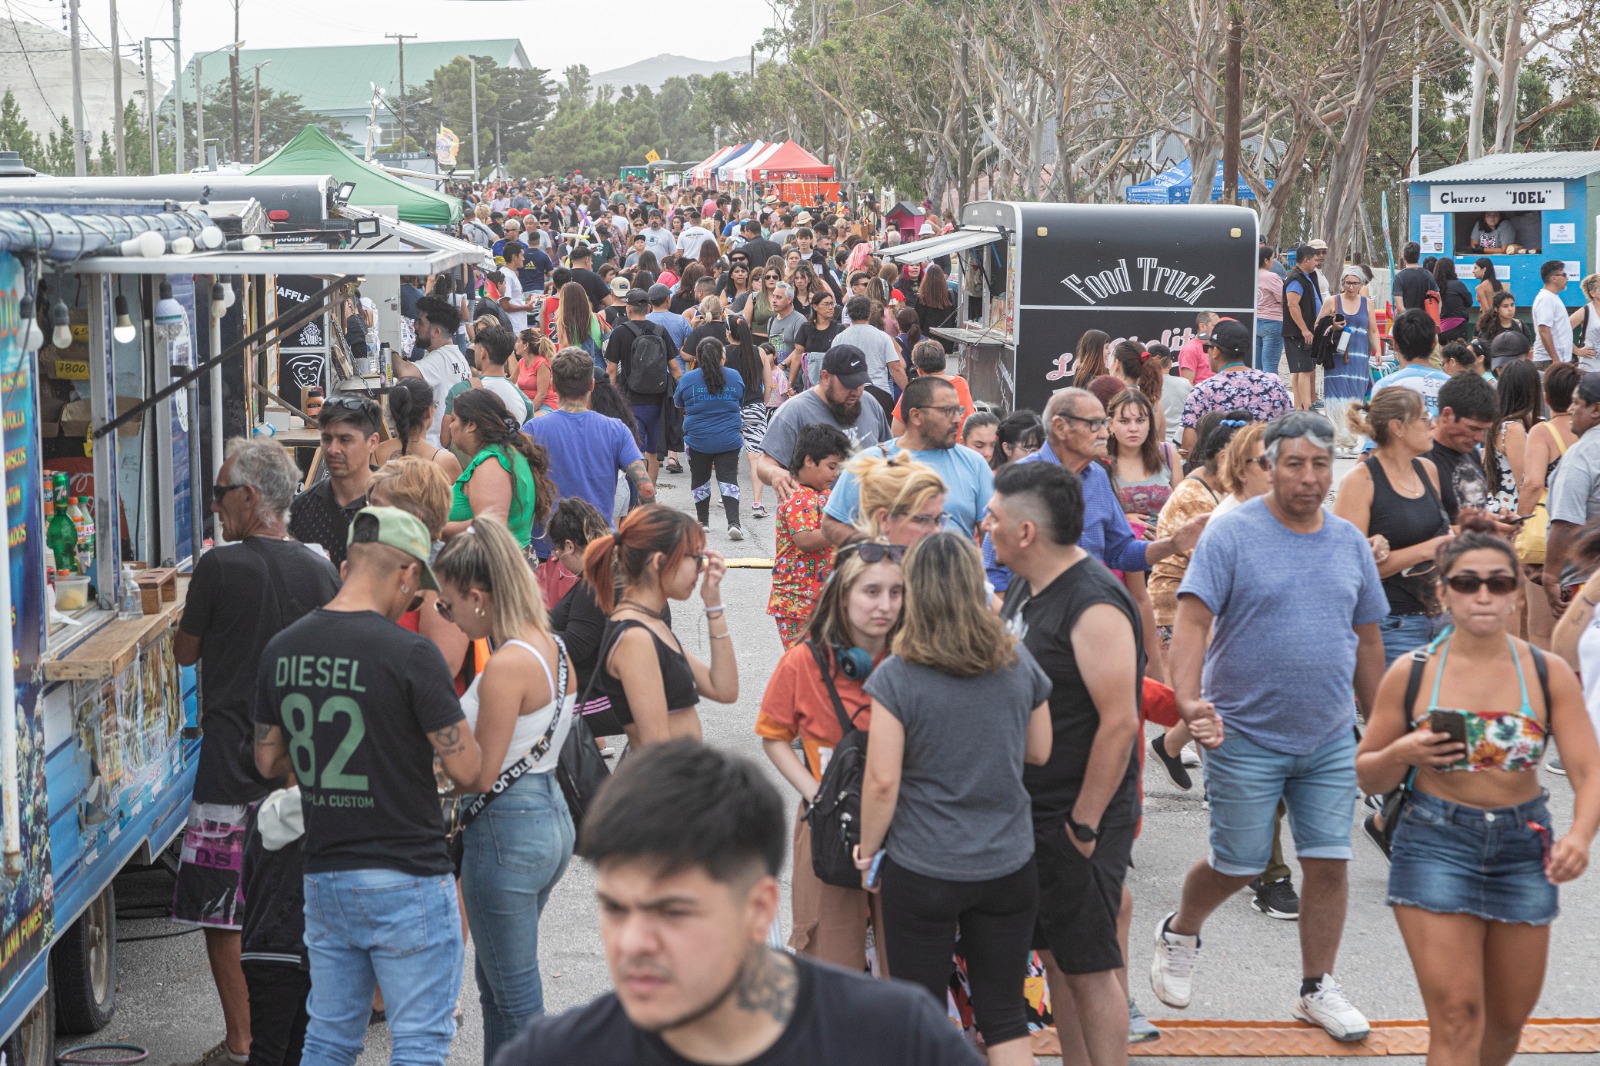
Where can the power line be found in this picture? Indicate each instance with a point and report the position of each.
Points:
(56, 119)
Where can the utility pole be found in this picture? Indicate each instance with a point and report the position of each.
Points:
(401, 39)
(233, 82)
(199, 113)
(116, 95)
(1416, 106)
(257, 69)
(80, 158)
(1233, 109)
(473, 63)
(963, 179)
(497, 167)
(150, 109)
(177, 86)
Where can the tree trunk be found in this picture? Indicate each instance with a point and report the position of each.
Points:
(1480, 84)
(1505, 127)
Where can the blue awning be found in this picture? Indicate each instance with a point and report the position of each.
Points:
(1174, 187)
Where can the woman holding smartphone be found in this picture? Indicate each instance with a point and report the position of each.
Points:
(1476, 863)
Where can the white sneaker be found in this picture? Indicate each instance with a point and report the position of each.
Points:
(735, 533)
(1327, 1007)
(1172, 968)
(1189, 756)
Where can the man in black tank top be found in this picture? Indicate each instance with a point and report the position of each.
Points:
(1083, 628)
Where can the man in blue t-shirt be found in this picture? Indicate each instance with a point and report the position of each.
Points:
(1277, 573)
(587, 449)
(932, 414)
(1414, 335)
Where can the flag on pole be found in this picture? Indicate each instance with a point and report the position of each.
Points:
(445, 146)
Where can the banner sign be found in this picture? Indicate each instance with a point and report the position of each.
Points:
(1499, 196)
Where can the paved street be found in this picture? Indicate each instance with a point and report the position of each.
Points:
(1250, 969)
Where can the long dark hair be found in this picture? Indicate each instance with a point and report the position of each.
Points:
(708, 360)
(1089, 362)
(1141, 368)
(741, 355)
(910, 325)
(409, 401)
(1022, 427)
(607, 400)
(1489, 320)
(1520, 401)
(648, 262)
(1486, 264)
(933, 291)
(487, 414)
(1444, 270)
(575, 314)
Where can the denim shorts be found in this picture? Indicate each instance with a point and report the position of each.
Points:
(1244, 783)
(1404, 632)
(1451, 859)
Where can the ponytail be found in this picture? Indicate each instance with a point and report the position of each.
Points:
(623, 558)
(486, 556)
(488, 415)
(409, 401)
(708, 358)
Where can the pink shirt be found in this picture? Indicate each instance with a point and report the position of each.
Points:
(1192, 356)
(1269, 296)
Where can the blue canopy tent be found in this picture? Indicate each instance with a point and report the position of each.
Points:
(1174, 187)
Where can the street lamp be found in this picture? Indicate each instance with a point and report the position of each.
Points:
(257, 69)
(200, 98)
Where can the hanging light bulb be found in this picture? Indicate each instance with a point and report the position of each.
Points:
(210, 238)
(169, 315)
(61, 323)
(182, 245)
(124, 331)
(228, 297)
(219, 301)
(33, 336)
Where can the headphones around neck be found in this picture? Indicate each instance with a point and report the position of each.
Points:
(854, 663)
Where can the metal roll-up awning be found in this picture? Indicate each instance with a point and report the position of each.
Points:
(944, 244)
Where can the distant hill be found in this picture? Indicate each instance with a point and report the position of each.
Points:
(656, 70)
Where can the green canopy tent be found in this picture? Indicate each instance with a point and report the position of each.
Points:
(314, 152)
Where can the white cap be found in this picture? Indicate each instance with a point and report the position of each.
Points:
(927, 227)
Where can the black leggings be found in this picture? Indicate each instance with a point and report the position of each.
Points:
(278, 1009)
(921, 916)
(727, 468)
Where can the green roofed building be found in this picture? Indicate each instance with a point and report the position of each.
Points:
(337, 80)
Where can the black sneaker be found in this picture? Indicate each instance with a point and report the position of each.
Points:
(1375, 834)
(1276, 899)
(1173, 763)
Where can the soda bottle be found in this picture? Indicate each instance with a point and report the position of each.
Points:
(85, 525)
(63, 488)
(61, 536)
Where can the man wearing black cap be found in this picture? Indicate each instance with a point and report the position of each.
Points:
(647, 405)
(1508, 347)
(839, 400)
(757, 247)
(1234, 383)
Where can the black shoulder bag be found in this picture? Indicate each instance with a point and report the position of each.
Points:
(835, 813)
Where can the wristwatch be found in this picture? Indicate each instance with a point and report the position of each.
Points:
(1086, 834)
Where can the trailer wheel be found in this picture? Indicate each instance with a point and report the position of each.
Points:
(34, 1042)
(84, 968)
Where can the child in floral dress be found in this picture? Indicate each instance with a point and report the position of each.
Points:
(804, 557)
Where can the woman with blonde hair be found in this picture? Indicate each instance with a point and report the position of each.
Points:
(956, 673)
(517, 831)
(902, 500)
(1243, 468)
(420, 488)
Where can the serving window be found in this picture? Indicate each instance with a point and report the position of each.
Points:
(1526, 231)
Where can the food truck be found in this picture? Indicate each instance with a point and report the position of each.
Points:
(1547, 202)
(121, 321)
(1034, 277)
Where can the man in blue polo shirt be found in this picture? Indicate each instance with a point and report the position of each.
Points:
(1077, 429)
(933, 418)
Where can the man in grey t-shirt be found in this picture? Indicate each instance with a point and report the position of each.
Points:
(1574, 498)
(785, 323)
(884, 364)
(839, 400)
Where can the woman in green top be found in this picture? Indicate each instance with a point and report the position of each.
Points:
(508, 475)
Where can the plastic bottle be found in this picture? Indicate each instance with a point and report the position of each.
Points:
(130, 606)
(85, 526)
(61, 536)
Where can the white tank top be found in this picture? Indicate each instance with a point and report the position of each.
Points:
(529, 727)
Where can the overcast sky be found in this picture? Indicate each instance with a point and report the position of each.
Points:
(718, 29)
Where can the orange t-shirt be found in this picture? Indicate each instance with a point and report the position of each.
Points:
(963, 394)
(797, 703)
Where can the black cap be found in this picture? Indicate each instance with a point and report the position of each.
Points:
(638, 298)
(1231, 336)
(848, 364)
(659, 294)
(1508, 347)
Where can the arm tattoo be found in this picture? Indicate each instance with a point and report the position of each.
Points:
(447, 741)
(770, 985)
(636, 472)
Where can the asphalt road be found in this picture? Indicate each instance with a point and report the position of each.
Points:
(1249, 970)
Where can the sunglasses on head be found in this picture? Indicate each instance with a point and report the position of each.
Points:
(872, 551)
(1468, 584)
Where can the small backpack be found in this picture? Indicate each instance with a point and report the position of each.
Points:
(835, 813)
(650, 361)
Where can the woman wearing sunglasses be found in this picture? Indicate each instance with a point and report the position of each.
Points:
(1476, 864)
(758, 307)
(1244, 468)
(902, 500)
(658, 554)
(847, 637)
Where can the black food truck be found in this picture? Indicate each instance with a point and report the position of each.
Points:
(1034, 277)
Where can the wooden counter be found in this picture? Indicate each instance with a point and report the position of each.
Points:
(112, 648)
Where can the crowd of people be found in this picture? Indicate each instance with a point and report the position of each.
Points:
(419, 668)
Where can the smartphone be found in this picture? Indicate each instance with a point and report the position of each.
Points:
(1451, 723)
(872, 874)
(1512, 520)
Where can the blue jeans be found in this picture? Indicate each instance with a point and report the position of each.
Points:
(1403, 632)
(1244, 783)
(1269, 344)
(366, 928)
(516, 851)
(1487, 862)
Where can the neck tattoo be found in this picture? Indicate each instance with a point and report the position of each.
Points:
(768, 986)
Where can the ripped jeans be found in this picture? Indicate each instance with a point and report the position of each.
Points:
(726, 465)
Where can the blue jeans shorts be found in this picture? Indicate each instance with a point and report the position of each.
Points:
(1405, 632)
(1244, 783)
(648, 415)
(1452, 859)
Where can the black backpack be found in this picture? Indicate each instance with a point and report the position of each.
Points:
(835, 814)
(649, 361)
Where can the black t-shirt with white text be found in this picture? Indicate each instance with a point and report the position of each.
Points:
(233, 607)
(1043, 621)
(356, 697)
(840, 1019)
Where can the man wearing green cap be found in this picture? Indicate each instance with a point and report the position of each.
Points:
(356, 708)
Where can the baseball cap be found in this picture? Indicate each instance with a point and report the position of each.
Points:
(399, 530)
(1318, 243)
(638, 298)
(619, 287)
(659, 293)
(1508, 347)
(849, 364)
(1231, 336)
(1589, 387)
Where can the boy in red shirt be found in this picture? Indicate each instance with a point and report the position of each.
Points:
(804, 556)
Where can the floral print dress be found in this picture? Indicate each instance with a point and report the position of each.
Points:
(798, 576)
